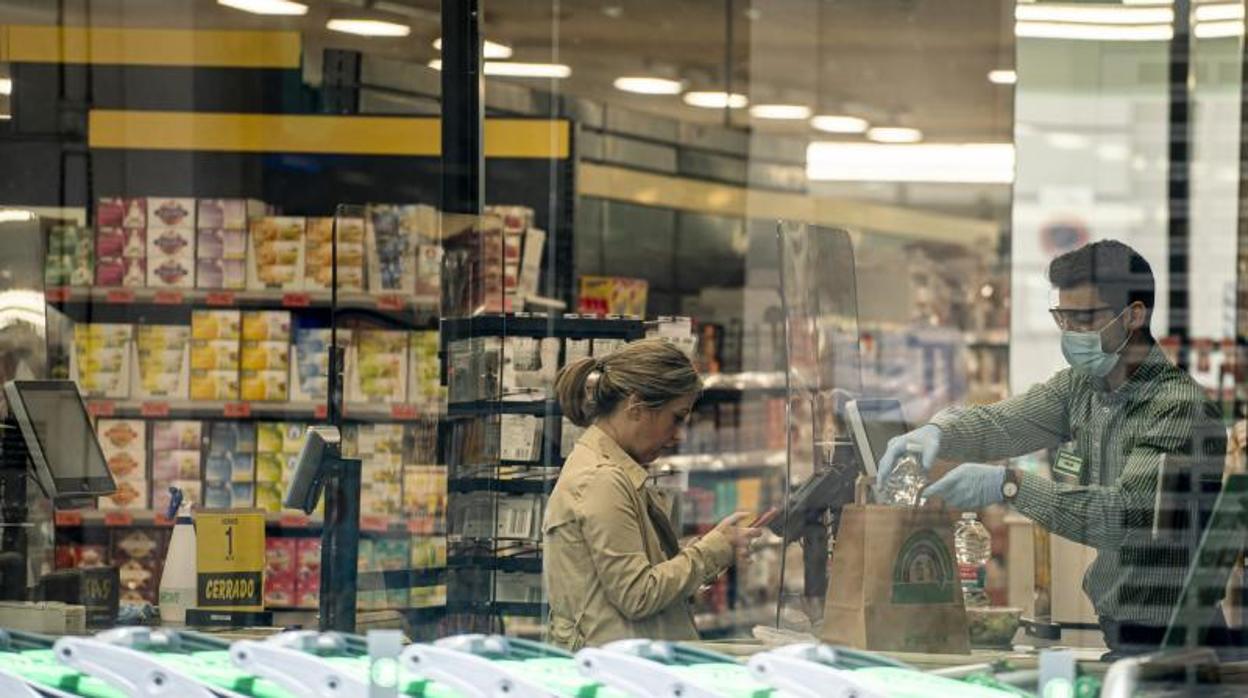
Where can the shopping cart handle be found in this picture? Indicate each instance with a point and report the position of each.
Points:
(637, 667)
(467, 671)
(805, 670)
(134, 672)
(300, 673)
(15, 686)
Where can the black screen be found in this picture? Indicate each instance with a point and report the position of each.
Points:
(65, 436)
(882, 420)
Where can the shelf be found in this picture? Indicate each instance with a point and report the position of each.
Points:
(498, 564)
(478, 408)
(504, 485)
(395, 307)
(703, 463)
(286, 522)
(401, 579)
(722, 387)
(540, 326)
(217, 409)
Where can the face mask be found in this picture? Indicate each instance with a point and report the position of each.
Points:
(1083, 351)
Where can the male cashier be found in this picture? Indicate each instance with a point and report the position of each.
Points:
(1113, 413)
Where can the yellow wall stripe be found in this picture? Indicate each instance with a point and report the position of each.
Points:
(27, 43)
(301, 133)
(632, 186)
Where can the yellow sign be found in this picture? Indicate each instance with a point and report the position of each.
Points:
(229, 559)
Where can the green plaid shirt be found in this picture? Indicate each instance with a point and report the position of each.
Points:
(1107, 502)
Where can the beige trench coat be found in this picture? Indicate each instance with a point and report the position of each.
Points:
(605, 568)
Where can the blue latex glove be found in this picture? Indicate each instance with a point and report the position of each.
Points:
(927, 435)
(969, 486)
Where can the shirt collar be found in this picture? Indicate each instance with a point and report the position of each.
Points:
(600, 442)
(1154, 364)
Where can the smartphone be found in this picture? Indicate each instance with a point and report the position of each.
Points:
(764, 518)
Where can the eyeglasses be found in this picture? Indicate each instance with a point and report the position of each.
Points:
(1078, 318)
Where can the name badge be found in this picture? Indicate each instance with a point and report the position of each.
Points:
(1068, 464)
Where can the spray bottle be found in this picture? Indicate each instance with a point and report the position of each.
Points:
(177, 582)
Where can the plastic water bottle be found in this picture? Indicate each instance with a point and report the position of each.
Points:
(907, 479)
(973, 545)
(177, 580)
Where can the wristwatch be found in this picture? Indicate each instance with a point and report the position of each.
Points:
(1009, 486)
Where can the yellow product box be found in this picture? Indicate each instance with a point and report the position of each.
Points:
(214, 385)
(214, 355)
(216, 324)
(269, 467)
(269, 496)
(93, 360)
(261, 386)
(269, 437)
(266, 356)
(161, 361)
(266, 325)
(293, 435)
(162, 337)
(102, 334)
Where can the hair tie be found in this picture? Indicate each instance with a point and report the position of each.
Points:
(591, 385)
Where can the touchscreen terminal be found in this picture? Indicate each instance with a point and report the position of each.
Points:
(873, 422)
(57, 431)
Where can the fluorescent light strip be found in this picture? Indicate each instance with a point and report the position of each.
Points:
(1093, 14)
(368, 27)
(5, 117)
(975, 163)
(267, 7)
(518, 70)
(1219, 12)
(1094, 32)
(716, 100)
(6, 86)
(835, 123)
(1219, 30)
(648, 86)
(895, 134)
(491, 50)
(793, 112)
(1002, 77)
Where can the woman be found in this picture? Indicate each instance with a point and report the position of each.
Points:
(612, 564)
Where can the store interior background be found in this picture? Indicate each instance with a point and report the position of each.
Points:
(1052, 142)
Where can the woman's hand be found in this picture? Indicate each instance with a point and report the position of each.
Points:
(738, 533)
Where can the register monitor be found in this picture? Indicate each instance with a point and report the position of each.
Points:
(872, 422)
(53, 420)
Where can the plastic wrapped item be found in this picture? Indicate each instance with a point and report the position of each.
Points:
(907, 480)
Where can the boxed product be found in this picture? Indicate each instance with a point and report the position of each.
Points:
(428, 552)
(121, 213)
(229, 274)
(612, 295)
(166, 212)
(262, 386)
(136, 553)
(214, 385)
(307, 572)
(177, 434)
(276, 247)
(377, 367)
(265, 355)
(266, 325)
(319, 270)
(230, 214)
(424, 370)
(215, 355)
(392, 235)
(280, 571)
(130, 494)
(215, 351)
(216, 324)
(428, 273)
(269, 496)
(124, 445)
(192, 491)
(162, 361)
(101, 359)
(217, 495)
(521, 437)
(71, 256)
(170, 257)
(117, 271)
(530, 365)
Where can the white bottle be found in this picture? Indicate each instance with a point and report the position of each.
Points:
(177, 581)
(973, 545)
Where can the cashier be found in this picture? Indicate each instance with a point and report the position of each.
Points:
(1112, 415)
(613, 566)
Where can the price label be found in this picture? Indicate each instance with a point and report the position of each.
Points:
(168, 298)
(390, 301)
(56, 294)
(224, 298)
(374, 523)
(230, 559)
(162, 520)
(101, 408)
(154, 409)
(404, 412)
(293, 521)
(297, 300)
(120, 295)
(320, 412)
(118, 518)
(68, 518)
(237, 410)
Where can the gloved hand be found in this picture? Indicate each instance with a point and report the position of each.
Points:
(927, 436)
(969, 486)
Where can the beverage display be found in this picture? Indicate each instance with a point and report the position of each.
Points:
(973, 545)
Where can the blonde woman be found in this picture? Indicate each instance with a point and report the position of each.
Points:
(612, 563)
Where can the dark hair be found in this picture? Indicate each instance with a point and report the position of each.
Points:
(1121, 276)
(655, 371)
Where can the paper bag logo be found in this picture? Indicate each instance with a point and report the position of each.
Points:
(924, 572)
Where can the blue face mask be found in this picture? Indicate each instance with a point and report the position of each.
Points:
(1084, 354)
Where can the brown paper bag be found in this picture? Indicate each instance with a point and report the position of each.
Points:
(894, 582)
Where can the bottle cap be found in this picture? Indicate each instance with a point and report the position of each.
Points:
(968, 516)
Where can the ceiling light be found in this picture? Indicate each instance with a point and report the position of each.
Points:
(1068, 141)
(1093, 14)
(649, 86)
(1002, 77)
(1220, 11)
(368, 27)
(1219, 30)
(5, 117)
(491, 50)
(1094, 32)
(716, 100)
(6, 86)
(780, 111)
(1112, 152)
(895, 135)
(518, 70)
(981, 163)
(267, 7)
(839, 124)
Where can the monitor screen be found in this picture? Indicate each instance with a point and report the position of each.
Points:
(58, 434)
(874, 422)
